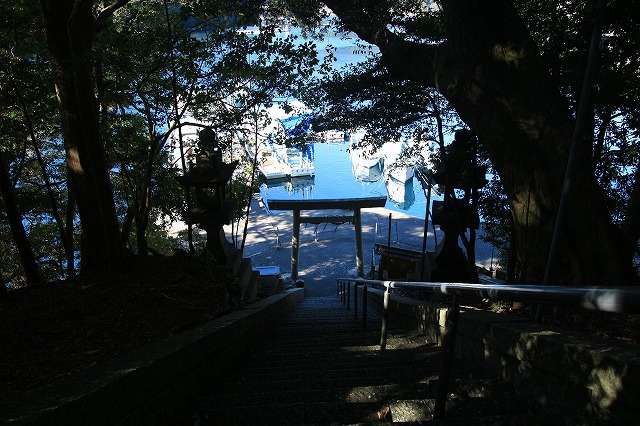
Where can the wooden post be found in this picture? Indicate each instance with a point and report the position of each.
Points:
(357, 221)
(295, 245)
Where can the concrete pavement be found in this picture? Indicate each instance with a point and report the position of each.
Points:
(328, 251)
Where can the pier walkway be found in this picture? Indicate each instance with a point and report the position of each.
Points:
(328, 250)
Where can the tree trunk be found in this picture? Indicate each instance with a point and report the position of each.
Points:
(69, 225)
(127, 221)
(69, 27)
(142, 222)
(491, 72)
(18, 232)
(631, 225)
(4, 294)
(144, 204)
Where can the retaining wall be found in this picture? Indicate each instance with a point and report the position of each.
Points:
(155, 383)
(573, 377)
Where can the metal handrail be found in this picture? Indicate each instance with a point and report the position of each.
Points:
(606, 299)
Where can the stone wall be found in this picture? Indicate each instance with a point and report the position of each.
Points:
(575, 378)
(153, 384)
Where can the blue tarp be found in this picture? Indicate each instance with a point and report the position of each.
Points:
(297, 125)
(308, 152)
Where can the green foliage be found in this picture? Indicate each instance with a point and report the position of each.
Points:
(223, 76)
(30, 125)
(10, 267)
(367, 97)
(219, 75)
(496, 217)
(563, 32)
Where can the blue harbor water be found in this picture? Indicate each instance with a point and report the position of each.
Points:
(334, 174)
(334, 178)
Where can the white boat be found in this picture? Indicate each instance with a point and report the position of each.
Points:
(270, 166)
(366, 163)
(399, 172)
(300, 161)
(396, 164)
(335, 136)
(276, 160)
(366, 169)
(300, 158)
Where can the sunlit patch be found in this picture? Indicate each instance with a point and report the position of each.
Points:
(508, 54)
(526, 205)
(360, 348)
(73, 161)
(606, 384)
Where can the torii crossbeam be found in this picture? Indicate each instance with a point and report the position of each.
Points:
(355, 204)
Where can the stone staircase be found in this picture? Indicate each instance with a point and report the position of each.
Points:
(248, 279)
(322, 367)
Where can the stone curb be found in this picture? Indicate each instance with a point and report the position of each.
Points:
(152, 384)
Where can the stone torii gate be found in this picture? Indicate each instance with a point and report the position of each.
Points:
(354, 204)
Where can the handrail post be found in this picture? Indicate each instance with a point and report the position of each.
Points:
(295, 245)
(364, 306)
(448, 352)
(348, 295)
(385, 318)
(355, 300)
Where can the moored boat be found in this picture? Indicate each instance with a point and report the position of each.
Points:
(270, 166)
(366, 163)
(397, 165)
(300, 161)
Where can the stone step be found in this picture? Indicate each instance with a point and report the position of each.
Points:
(356, 394)
(275, 383)
(278, 414)
(378, 371)
(312, 361)
(320, 413)
(340, 337)
(347, 349)
(359, 405)
(321, 367)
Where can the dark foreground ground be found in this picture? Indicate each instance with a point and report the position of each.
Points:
(55, 329)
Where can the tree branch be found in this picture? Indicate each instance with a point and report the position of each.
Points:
(103, 17)
(405, 59)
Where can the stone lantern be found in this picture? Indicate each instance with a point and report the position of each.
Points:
(457, 171)
(209, 177)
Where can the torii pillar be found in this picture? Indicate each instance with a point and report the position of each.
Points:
(354, 204)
